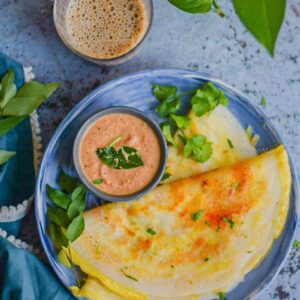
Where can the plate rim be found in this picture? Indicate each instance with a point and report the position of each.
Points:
(171, 72)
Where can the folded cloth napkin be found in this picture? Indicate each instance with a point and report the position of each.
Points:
(22, 275)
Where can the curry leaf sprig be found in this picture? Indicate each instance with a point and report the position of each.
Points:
(123, 158)
(263, 18)
(15, 105)
(204, 100)
(66, 222)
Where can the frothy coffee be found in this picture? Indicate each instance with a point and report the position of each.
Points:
(105, 29)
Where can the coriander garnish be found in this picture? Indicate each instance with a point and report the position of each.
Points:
(198, 148)
(263, 101)
(128, 276)
(166, 176)
(229, 221)
(151, 231)
(198, 215)
(230, 144)
(98, 181)
(297, 244)
(123, 158)
(222, 296)
(206, 259)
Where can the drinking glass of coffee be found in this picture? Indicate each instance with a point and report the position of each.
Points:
(106, 32)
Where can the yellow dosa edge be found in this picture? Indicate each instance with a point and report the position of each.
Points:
(116, 287)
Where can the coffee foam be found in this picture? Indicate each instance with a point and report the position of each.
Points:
(105, 29)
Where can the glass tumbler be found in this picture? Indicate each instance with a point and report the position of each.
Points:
(60, 14)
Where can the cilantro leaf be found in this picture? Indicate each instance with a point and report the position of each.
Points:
(167, 131)
(168, 98)
(263, 101)
(182, 122)
(8, 88)
(58, 197)
(198, 215)
(166, 176)
(230, 144)
(123, 158)
(297, 244)
(222, 296)
(229, 221)
(97, 181)
(75, 228)
(151, 231)
(207, 98)
(198, 148)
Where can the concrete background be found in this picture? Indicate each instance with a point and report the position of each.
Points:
(221, 47)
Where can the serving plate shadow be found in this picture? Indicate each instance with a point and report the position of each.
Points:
(134, 90)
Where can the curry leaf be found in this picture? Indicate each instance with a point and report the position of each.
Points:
(75, 228)
(207, 98)
(7, 124)
(8, 88)
(57, 236)
(78, 203)
(58, 216)
(6, 156)
(28, 98)
(59, 198)
(263, 18)
(193, 6)
(67, 182)
(79, 192)
(198, 148)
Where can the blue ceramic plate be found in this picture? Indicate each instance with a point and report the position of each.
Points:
(135, 90)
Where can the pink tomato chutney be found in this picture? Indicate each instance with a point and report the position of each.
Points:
(129, 131)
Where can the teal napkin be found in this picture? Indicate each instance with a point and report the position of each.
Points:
(17, 175)
(22, 275)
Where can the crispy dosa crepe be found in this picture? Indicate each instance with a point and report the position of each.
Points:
(195, 236)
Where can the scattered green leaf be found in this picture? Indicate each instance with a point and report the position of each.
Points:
(97, 181)
(206, 259)
(263, 101)
(198, 148)
(267, 22)
(229, 221)
(151, 231)
(207, 98)
(222, 296)
(230, 144)
(58, 197)
(6, 156)
(76, 207)
(182, 122)
(79, 192)
(297, 244)
(166, 176)
(169, 99)
(193, 6)
(75, 228)
(128, 276)
(206, 222)
(198, 215)
(167, 131)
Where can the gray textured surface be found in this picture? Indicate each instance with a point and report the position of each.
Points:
(207, 43)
